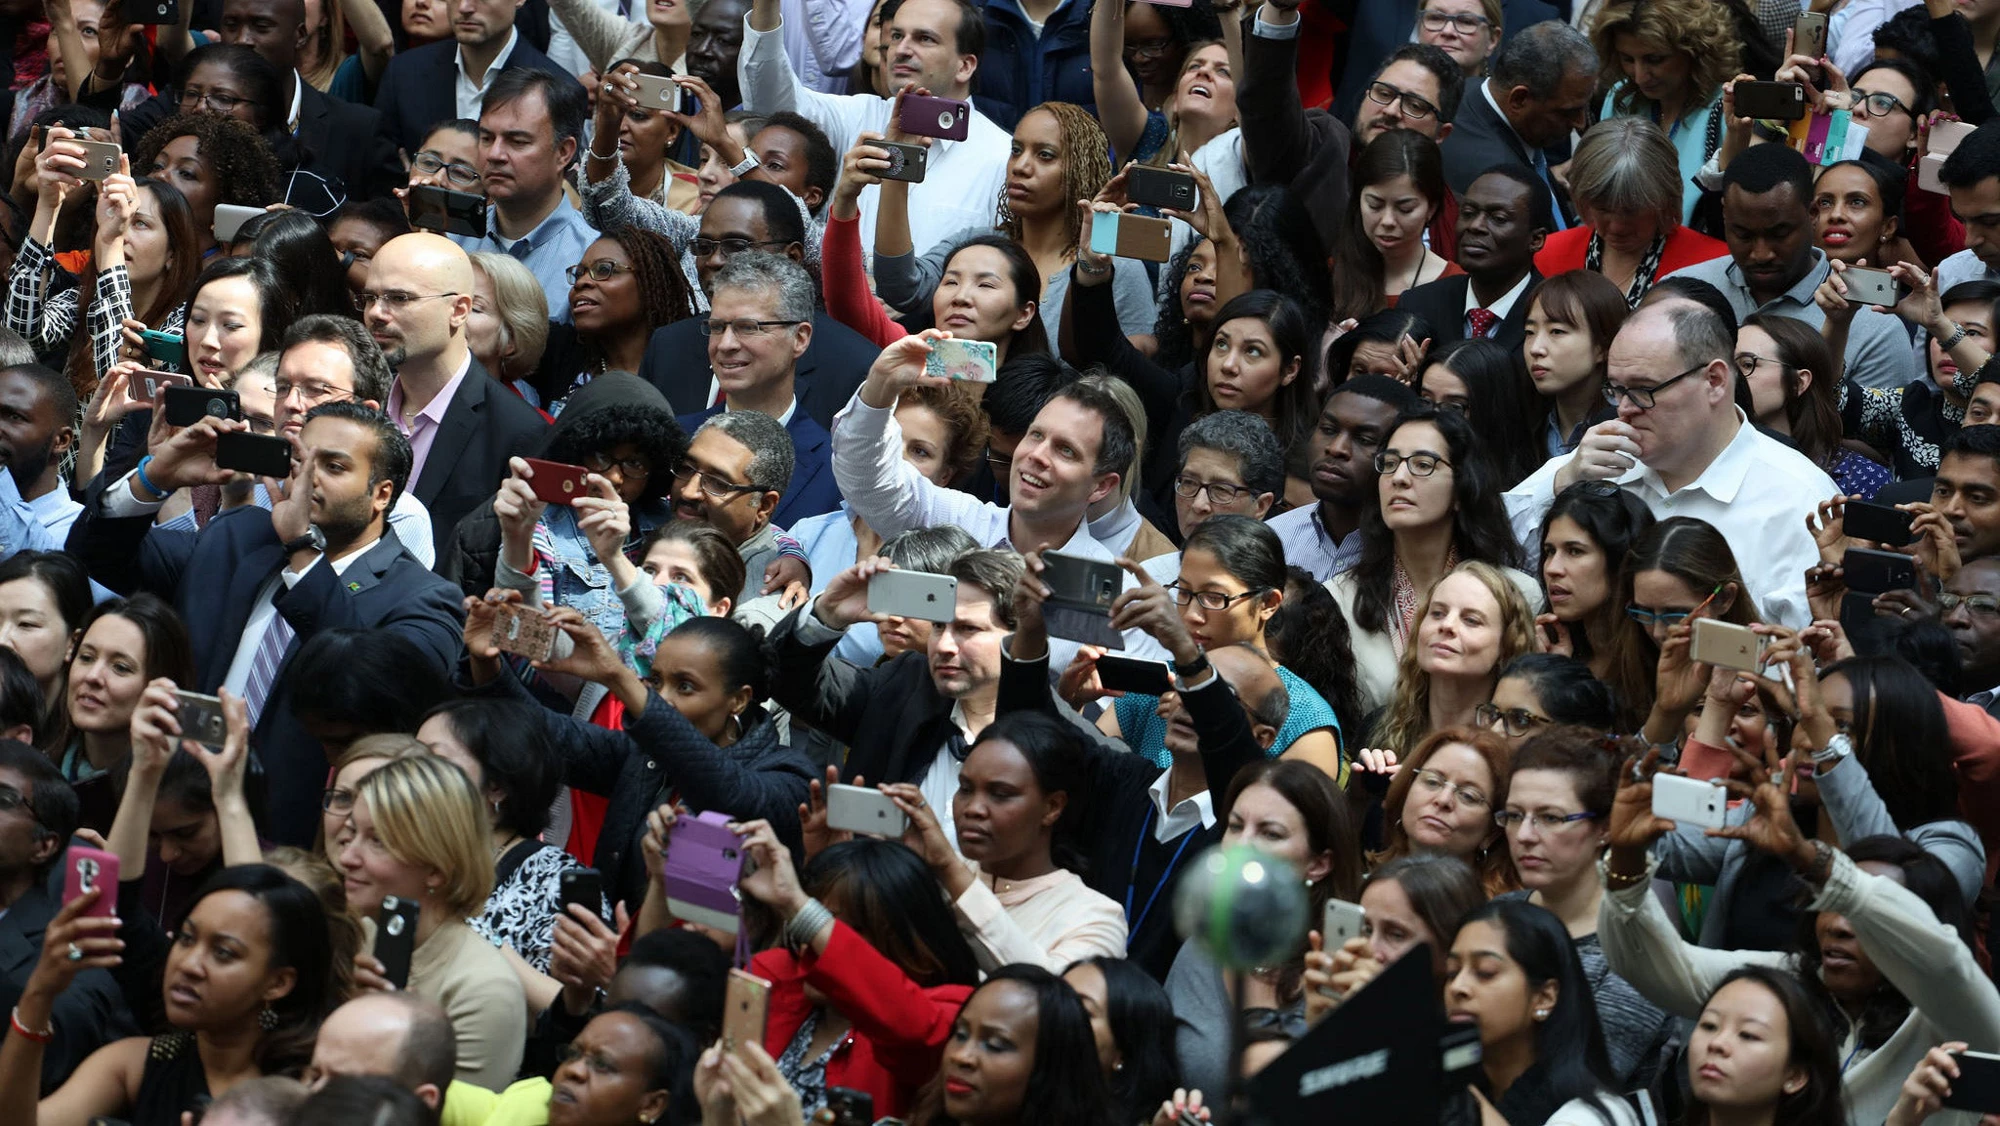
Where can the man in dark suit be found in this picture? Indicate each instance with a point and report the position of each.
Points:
(754, 215)
(1977, 631)
(1502, 219)
(38, 812)
(462, 426)
(1538, 94)
(763, 305)
(442, 81)
(255, 586)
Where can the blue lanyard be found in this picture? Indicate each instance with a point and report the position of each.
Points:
(1132, 881)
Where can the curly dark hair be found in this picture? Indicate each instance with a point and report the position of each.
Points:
(1271, 224)
(246, 172)
(663, 288)
(653, 430)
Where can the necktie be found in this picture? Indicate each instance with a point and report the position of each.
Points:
(264, 665)
(1481, 323)
(1555, 204)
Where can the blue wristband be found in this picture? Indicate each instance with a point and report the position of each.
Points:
(146, 482)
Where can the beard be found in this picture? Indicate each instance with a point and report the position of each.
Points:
(346, 522)
(28, 465)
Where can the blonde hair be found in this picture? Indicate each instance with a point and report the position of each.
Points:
(332, 48)
(1086, 168)
(1700, 29)
(312, 870)
(428, 813)
(1408, 717)
(1135, 411)
(522, 308)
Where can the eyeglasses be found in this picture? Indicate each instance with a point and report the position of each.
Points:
(394, 300)
(721, 488)
(602, 270)
(630, 468)
(1207, 599)
(1515, 721)
(1149, 48)
(1414, 108)
(1421, 465)
(1546, 822)
(210, 99)
(12, 799)
(1984, 605)
(337, 800)
(1749, 362)
(1431, 782)
(703, 247)
(1879, 105)
(1465, 23)
(744, 327)
(1220, 493)
(455, 171)
(1644, 397)
(312, 391)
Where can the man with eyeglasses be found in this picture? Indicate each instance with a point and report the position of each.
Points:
(38, 814)
(1682, 445)
(759, 324)
(462, 426)
(1231, 464)
(1503, 218)
(737, 466)
(1970, 608)
(1538, 94)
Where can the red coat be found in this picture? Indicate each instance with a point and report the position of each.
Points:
(1564, 251)
(899, 1029)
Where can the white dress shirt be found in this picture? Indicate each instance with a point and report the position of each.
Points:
(1197, 812)
(467, 93)
(1503, 306)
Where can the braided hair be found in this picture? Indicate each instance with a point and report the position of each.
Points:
(1086, 169)
(663, 288)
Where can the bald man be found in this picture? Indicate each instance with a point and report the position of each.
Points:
(399, 1036)
(462, 425)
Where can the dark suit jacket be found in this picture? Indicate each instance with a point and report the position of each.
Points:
(88, 1015)
(212, 577)
(907, 720)
(1284, 143)
(341, 140)
(1377, 28)
(833, 366)
(1480, 139)
(1442, 305)
(811, 491)
(484, 426)
(420, 88)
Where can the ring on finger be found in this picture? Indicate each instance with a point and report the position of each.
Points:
(75, 952)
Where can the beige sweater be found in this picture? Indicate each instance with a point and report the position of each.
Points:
(1051, 920)
(480, 993)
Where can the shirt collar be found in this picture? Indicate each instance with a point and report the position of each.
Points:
(441, 402)
(1722, 479)
(1505, 304)
(1486, 91)
(499, 60)
(1800, 293)
(784, 419)
(1120, 519)
(298, 96)
(1192, 812)
(558, 216)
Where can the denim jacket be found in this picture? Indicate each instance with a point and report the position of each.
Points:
(570, 574)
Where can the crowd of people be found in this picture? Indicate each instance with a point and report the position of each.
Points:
(1477, 431)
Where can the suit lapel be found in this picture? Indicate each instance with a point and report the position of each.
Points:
(454, 433)
(21, 931)
(258, 566)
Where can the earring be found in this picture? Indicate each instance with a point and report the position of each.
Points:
(1541, 1014)
(268, 1019)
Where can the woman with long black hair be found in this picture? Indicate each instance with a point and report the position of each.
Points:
(1133, 1020)
(1020, 1011)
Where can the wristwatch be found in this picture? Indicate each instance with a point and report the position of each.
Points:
(314, 538)
(1837, 748)
(748, 163)
(1188, 672)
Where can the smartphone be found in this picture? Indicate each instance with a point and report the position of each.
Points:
(1928, 167)
(1131, 236)
(145, 384)
(557, 482)
(263, 455)
(913, 594)
(523, 630)
(1160, 187)
(1977, 1087)
(1866, 286)
(850, 1107)
(1944, 137)
(945, 118)
(100, 159)
(88, 868)
(1779, 101)
(859, 809)
(185, 406)
(169, 348)
(1809, 35)
(229, 220)
(664, 93)
(446, 211)
(583, 887)
(163, 12)
(1690, 801)
(969, 361)
(396, 938)
(1877, 572)
(201, 718)
(1882, 523)
(1134, 674)
(907, 162)
(1728, 644)
(746, 1007)
(1343, 921)
(1079, 604)
(704, 861)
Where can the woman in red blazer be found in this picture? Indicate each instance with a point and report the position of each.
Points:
(1625, 179)
(871, 973)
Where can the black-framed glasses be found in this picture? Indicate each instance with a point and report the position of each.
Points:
(744, 327)
(1984, 605)
(1645, 397)
(631, 468)
(455, 171)
(1749, 362)
(214, 100)
(602, 270)
(1879, 104)
(703, 247)
(1431, 782)
(1148, 48)
(1414, 107)
(1211, 600)
(394, 300)
(1545, 821)
(1465, 23)
(1220, 493)
(1516, 722)
(1420, 464)
(721, 488)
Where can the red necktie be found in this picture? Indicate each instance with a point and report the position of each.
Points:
(1483, 322)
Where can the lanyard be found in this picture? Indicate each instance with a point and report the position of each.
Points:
(1132, 881)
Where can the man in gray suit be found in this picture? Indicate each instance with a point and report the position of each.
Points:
(1538, 94)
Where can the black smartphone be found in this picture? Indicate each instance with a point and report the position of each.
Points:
(1159, 187)
(1779, 101)
(1134, 674)
(1867, 521)
(585, 887)
(163, 12)
(261, 454)
(906, 162)
(186, 406)
(1977, 1087)
(1878, 572)
(396, 938)
(447, 211)
(850, 1107)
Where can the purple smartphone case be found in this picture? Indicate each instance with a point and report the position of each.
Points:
(704, 861)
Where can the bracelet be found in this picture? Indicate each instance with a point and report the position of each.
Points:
(146, 482)
(26, 1033)
(805, 925)
(1619, 881)
(595, 155)
(1821, 868)
(747, 165)
(1956, 336)
(1091, 270)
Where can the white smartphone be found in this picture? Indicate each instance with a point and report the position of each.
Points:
(664, 93)
(1343, 921)
(1728, 644)
(859, 809)
(913, 594)
(229, 219)
(1689, 801)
